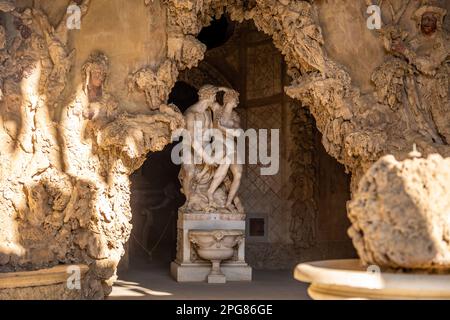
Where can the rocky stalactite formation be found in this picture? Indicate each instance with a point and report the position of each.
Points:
(65, 159)
(155, 85)
(400, 214)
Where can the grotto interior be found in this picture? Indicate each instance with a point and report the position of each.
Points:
(93, 92)
(309, 181)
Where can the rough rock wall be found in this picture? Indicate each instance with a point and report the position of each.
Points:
(359, 54)
(304, 205)
(67, 149)
(400, 214)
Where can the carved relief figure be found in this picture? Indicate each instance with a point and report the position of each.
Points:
(94, 76)
(95, 72)
(416, 80)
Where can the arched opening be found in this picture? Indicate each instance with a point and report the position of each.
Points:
(299, 213)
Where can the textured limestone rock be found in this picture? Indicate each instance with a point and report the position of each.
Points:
(155, 85)
(66, 152)
(401, 214)
(51, 292)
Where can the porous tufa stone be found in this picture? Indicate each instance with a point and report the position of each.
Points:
(401, 214)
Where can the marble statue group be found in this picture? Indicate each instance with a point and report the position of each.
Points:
(211, 185)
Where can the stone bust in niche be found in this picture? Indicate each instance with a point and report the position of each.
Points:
(429, 23)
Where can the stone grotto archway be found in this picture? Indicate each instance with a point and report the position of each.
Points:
(297, 223)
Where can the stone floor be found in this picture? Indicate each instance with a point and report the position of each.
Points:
(153, 282)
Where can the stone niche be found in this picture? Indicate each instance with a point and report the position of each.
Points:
(400, 215)
(301, 209)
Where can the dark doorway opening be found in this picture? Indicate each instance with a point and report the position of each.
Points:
(156, 196)
(217, 33)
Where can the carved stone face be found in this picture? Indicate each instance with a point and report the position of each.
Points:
(428, 23)
(233, 103)
(231, 99)
(207, 93)
(95, 87)
(97, 78)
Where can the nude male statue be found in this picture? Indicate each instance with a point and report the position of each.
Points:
(197, 115)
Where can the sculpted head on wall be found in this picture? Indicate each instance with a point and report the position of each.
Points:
(430, 18)
(95, 73)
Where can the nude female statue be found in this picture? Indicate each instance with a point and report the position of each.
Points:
(228, 122)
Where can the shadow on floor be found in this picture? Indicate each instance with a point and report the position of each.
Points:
(152, 281)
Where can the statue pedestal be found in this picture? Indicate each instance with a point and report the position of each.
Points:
(189, 267)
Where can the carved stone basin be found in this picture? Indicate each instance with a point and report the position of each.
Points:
(348, 279)
(215, 246)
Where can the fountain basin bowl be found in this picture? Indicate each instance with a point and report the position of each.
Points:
(349, 279)
(215, 244)
(216, 254)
